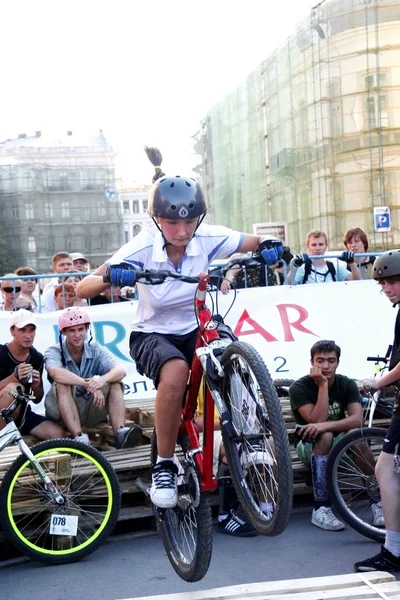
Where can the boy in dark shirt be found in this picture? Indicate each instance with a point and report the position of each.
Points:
(21, 363)
(319, 403)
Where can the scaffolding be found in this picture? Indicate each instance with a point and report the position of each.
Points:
(312, 137)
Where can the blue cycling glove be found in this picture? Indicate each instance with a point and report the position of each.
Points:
(122, 275)
(271, 250)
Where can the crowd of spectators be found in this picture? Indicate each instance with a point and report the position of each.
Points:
(60, 292)
(56, 293)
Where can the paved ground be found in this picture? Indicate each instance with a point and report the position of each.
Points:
(137, 566)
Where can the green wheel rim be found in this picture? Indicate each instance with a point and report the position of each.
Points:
(91, 539)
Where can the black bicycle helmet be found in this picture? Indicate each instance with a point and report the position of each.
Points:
(176, 198)
(387, 265)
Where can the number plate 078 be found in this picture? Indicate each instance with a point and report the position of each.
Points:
(63, 525)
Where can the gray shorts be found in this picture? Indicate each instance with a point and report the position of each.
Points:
(90, 415)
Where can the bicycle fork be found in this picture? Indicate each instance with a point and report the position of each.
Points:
(50, 487)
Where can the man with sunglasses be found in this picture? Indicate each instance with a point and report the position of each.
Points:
(22, 365)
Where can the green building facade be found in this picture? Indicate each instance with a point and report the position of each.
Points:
(312, 137)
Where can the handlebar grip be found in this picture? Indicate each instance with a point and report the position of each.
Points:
(376, 359)
(107, 278)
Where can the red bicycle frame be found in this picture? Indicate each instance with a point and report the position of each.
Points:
(203, 456)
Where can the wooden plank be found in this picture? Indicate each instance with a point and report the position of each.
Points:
(329, 588)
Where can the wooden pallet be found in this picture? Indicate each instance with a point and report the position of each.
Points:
(357, 586)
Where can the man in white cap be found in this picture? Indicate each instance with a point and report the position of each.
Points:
(22, 365)
(79, 261)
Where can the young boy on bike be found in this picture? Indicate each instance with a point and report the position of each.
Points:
(164, 332)
(386, 272)
(86, 382)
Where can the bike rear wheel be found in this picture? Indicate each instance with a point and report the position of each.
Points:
(60, 533)
(351, 481)
(256, 440)
(186, 529)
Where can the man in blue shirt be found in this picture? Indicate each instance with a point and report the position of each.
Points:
(86, 382)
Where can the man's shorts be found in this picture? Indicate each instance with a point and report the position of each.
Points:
(304, 449)
(392, 437)
(90, 415)
(28, 420)
(151, 351)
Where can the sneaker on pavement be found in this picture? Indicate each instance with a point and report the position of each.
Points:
(324, 518)
(255, 455)
(83, 438)
(234, 525)
(377, 514)
(384, 561)
(127, 437)
(163, 491)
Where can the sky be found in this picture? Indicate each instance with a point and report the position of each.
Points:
(146, 72)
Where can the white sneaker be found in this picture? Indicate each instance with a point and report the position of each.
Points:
(83, 438)
(324, 518)
(254, 455)
(163, 491)
(377, 514)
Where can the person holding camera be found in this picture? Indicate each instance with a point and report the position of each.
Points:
(321, 270)
(21, 365)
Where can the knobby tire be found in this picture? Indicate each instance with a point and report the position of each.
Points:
(246, 378)
(91, 491)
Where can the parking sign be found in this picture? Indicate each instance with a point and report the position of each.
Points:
(382, 222)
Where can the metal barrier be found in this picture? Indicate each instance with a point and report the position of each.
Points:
(338, 255)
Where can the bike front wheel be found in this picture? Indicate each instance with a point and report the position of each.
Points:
(89, 495)
(352, 485)
(186, 529)
(256, 440)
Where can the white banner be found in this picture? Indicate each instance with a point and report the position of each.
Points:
(282, 322)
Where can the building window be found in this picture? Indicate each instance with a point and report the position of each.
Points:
(135, 206)
(31, 244)
(136, 229)
(15, 212)
(29, 211)
(64, 209)
(379, 189)
(48, 210)
(126, 234)
(125, 205)
(376, 103)
(145, 205)
(335, 108)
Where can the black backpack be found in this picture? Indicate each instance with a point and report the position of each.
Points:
(308, 266)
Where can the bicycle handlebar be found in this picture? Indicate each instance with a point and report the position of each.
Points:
(156, 277)
(19, 397)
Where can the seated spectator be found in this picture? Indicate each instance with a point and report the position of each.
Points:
(86, 383)
(62, 263)
(20, 361)
(80, 262)
(322, 271)
(249, 277)
(319, 402)
(11, 290)
(64, 295)
(109, 295)
(355, 240)
(28, 286)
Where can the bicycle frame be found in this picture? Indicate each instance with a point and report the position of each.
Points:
(10, 434)
(203, 456)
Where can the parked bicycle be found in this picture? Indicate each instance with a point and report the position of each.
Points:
(352, 485)
(238, 383)
(60, 499)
